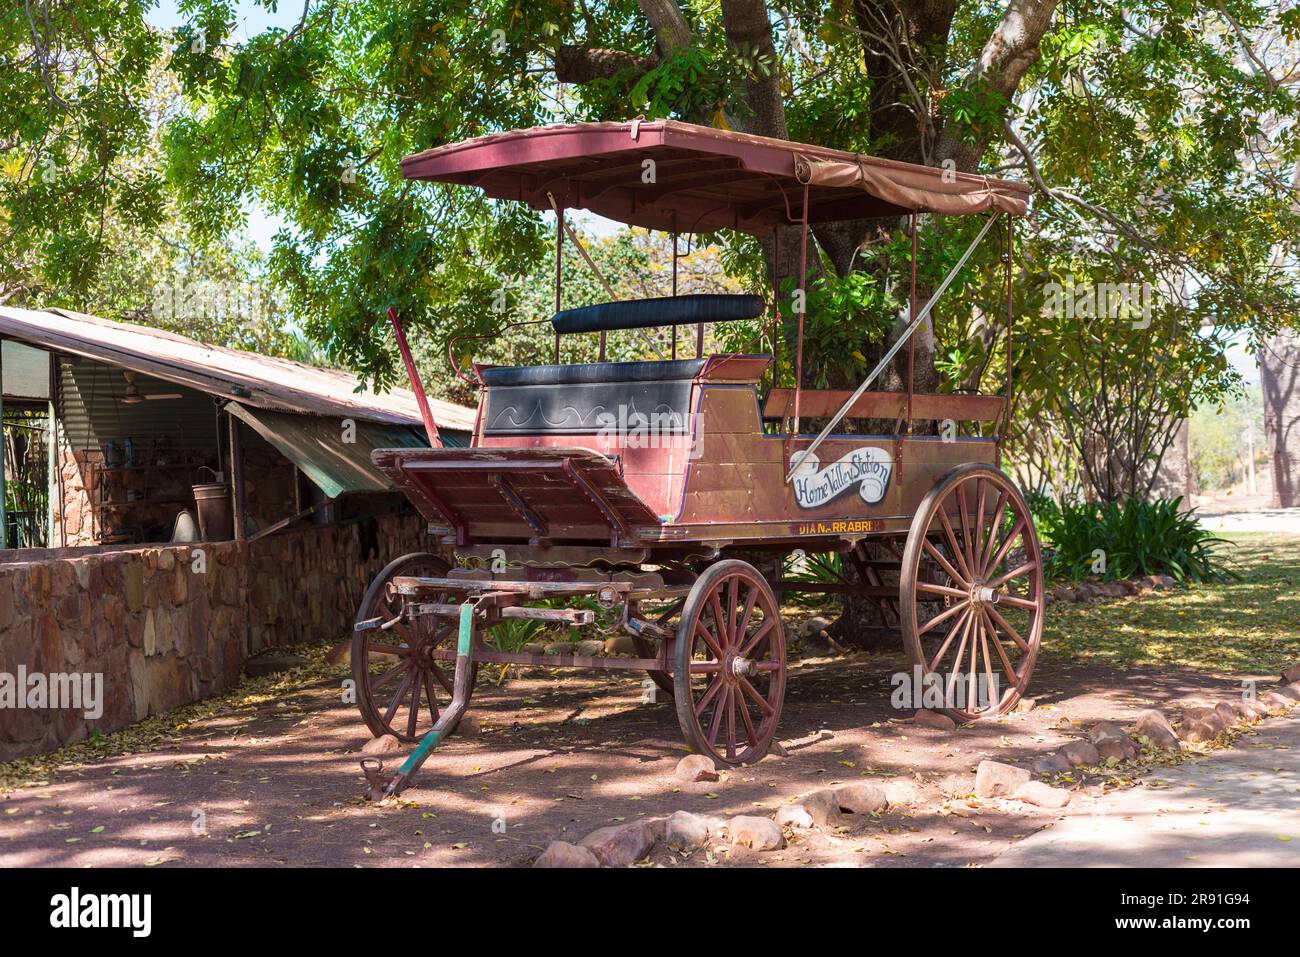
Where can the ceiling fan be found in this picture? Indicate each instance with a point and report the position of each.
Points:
(133, 395)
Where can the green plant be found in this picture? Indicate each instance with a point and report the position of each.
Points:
(820, 568)
(1113, 541)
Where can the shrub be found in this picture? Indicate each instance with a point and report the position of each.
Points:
(1137, 538)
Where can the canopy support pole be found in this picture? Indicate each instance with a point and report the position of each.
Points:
(888, 356)
(559, 279)
(911, 340)
(803, 295)
(1005, 424)
(674, 352)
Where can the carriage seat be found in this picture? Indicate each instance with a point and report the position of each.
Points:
(663, 311)
(581, 397)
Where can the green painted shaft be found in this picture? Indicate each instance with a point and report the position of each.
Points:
(464, 641)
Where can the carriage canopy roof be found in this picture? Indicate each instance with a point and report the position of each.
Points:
(702, 178)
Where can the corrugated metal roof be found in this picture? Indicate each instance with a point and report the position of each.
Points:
(263, 382)
(318, 447)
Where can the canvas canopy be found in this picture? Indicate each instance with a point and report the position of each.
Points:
(681, 177)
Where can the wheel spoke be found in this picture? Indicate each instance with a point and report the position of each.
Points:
(387, 676)
(397, 697)
(940, 618)
(749, 689)
(1015, 601)
(943, 563)
(716, 724)
(988, 662)
(400, 651)
(952, 543)
(719, 622)
(952, 633)
(998, 512)
(1014, 573)
(951, 684)
(965, 525)
(1006, 544)
(1015, 635)
(440, 676)
(756, 637)
(708, 695)
(745, 718)
(731, 723)
(705, 636)
(433, 700)
(942, 590)
(414, 716)
(751, 596)
(977, 546)
(733, 594)
(997, 645)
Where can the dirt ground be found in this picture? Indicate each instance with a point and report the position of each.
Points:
(556, 757)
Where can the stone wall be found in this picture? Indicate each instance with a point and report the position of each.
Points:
(169, 625)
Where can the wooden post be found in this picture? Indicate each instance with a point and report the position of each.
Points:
(237, 475)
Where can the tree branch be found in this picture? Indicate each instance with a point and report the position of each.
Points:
(579, 64)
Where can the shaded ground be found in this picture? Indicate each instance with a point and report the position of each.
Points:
(268, 775)
(556, 758)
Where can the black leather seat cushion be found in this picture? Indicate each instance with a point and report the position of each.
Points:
(665, 311)
(589, 372)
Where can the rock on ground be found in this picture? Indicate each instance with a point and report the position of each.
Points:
(860, 798)
(1042, 795)
(759, 833)
(1111, 741)
(1079, 753)
(562, 854)
(590, 648)
(823, 807)
(1154, 726)
(696, 767)
(384, 744)
(623, 844)
(1054, 763)
(934, 719)
(1292, 674)
(794, 815)
(994, 779)
(686, 831)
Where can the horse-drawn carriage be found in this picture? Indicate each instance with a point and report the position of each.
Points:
(665, 495)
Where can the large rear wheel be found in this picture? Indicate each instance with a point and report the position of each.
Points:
(971, 590)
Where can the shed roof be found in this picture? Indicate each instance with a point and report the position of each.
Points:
(263, 382)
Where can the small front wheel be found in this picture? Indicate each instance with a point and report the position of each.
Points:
(729, 675)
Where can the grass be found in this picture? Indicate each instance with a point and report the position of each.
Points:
(1250, 626)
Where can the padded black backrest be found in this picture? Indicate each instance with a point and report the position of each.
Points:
(665, 311)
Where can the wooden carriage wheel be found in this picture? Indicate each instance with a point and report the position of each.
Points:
(971, 589)
(398, 683)
(729, 675)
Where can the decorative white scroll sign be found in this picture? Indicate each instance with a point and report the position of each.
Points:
(867, 469)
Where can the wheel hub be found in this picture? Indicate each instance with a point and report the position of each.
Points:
(983, 595)
(741, 666)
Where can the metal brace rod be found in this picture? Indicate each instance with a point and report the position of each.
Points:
(798, 458)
